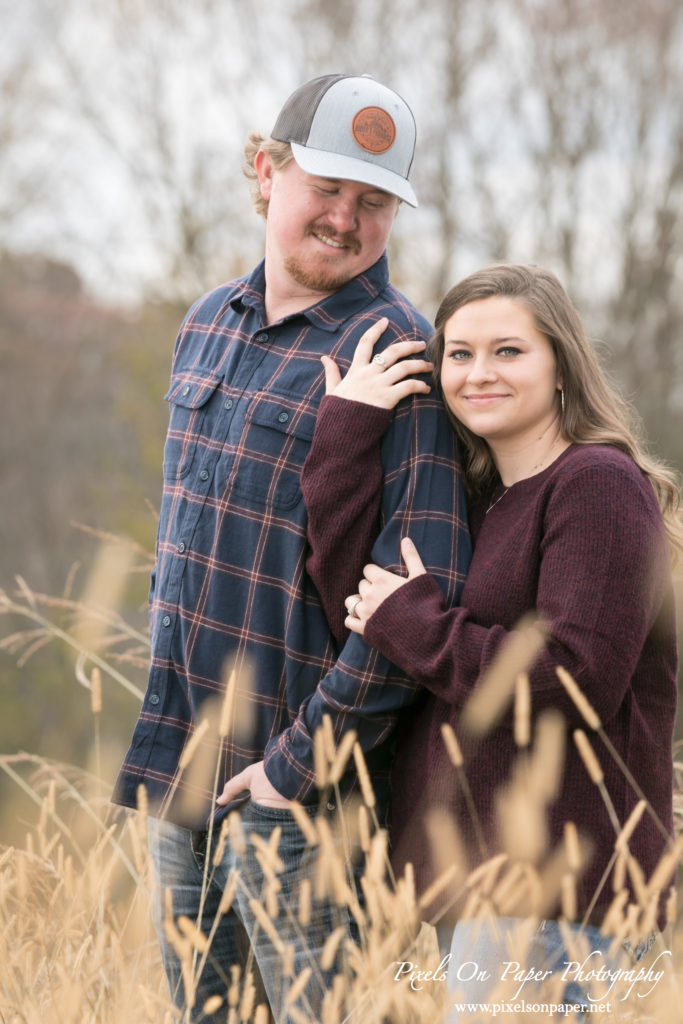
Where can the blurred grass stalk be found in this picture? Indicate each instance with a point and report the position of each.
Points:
(76, 943)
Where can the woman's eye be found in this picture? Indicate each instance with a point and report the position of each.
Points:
(458, 355)
(508, 350)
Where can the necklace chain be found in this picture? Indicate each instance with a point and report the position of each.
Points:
(494, 503)
(532, 472)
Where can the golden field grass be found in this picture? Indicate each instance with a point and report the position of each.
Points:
(76, 941)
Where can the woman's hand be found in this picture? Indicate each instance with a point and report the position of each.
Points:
(381, 381)
(377, 584)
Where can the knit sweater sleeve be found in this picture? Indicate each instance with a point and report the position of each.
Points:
(342, 487)
(603, 575)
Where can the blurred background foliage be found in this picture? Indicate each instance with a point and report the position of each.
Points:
(549, 131)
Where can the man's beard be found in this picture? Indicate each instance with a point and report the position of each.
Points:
(318, 276)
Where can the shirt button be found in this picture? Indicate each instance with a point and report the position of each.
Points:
(283, 417)
(166, 621)
(186, 389)
(181, 547)
(154, 698)
(204, 475)
(262, 336)
(228, 404)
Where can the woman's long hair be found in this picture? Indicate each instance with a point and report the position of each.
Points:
(592, 413)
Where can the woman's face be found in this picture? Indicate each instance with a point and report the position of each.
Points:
(498, 374)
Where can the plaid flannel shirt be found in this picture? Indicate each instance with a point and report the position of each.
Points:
(230, 587)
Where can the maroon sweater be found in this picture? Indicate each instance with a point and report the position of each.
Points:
(582, 544)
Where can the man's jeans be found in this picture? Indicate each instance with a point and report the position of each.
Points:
(183, 865)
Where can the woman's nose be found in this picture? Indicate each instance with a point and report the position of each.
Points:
(481, 370)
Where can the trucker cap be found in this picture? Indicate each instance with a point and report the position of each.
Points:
(343, 126)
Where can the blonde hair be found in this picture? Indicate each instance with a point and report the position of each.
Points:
(592, 412)
(279, 152)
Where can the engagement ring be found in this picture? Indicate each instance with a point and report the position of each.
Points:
(379, 359)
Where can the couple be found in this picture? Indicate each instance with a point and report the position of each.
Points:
(570, 520)
(231, 588)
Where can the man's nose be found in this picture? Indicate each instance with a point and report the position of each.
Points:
(343, 214)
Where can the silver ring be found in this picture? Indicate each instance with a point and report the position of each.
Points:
(379, 359)
(351, 609)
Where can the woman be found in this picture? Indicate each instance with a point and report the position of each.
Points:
(571, 521)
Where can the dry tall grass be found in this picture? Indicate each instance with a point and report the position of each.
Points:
(76, 942)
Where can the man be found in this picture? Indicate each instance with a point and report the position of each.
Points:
(230, 590)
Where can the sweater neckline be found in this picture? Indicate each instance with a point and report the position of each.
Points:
(529, 483)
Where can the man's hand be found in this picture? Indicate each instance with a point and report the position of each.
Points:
(256, 781)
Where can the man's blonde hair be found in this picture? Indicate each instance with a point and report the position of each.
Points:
(279, 152)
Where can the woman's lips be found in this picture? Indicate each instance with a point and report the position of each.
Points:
(487, 399)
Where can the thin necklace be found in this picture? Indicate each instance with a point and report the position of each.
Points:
(533, 470)
(494, 503)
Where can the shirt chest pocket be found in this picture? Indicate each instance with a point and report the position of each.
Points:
(188, 398)
(274, 444)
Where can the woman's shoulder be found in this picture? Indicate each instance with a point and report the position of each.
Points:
(580, 457)
(601, 467)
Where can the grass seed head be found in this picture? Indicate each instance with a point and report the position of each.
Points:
(452, 746)
(342, 754)
(522, 718)
(363, 776)
(588, 713)
(494, 690)
(588, 756)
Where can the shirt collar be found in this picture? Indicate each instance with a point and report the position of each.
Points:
(333, 310)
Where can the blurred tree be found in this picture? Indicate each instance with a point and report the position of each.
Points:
(84, 421)
(548, 131)
(83, 413)
(24, 153)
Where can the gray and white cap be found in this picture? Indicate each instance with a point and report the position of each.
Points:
(353, 128)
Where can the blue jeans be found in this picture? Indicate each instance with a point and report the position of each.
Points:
(508, 960)
(185, 866)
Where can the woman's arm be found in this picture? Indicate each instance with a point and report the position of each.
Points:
(604, 574)
(342, 476)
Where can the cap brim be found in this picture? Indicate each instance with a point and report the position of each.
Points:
(334, 165)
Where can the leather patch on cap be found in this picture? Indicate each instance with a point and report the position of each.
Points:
(374, 130)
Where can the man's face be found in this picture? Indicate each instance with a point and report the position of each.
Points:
(321, 232)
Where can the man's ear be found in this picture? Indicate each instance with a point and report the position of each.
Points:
(263, 165)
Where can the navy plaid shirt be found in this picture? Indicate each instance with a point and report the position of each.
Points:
(230, 587)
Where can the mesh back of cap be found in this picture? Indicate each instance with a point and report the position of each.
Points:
(294, 120)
